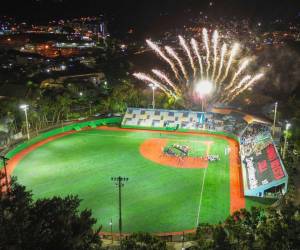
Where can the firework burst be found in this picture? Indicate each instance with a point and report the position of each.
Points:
(196, 62)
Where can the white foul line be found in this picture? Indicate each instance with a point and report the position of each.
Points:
(200, 201)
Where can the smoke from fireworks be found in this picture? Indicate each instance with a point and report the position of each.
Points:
(226, 70)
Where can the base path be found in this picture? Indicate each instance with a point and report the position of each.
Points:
(237, 199)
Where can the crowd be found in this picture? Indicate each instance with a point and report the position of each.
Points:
(254, 139)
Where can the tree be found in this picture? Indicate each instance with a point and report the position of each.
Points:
(220, 239)
(143, 241)
(122, 96)
(54, 223)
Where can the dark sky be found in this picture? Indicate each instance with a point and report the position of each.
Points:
(147, 14)
(37, 9)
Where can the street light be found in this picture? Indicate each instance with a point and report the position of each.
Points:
(25, 108)
(182, 246)
(153, 87)
(112, 238)
(274, 121)
(203, 89)
(288, 125)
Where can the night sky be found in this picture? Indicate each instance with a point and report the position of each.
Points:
(143, 13)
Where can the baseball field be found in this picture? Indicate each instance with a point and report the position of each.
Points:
(163, 193)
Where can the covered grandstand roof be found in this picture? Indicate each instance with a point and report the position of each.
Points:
(247, 117)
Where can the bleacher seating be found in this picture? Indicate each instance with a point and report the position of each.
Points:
(184, 119)
(160, 118)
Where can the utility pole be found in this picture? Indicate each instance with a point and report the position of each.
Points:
(90, 108)
(153, 87)
(4, 160)
(111, 233)
(25, 109)
(119, 181)
(182, 247)
(274, 120)
(288, 125)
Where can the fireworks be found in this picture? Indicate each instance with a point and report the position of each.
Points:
(172, 53)
(188, 52)
(196, 51)
(215, 43)
(163, 56)
(163, 77)
(223, 67)
(223, 52)
(205, 41)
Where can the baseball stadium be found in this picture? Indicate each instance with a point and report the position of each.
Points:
(179, 168)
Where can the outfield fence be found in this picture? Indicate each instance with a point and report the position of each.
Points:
(208, 132)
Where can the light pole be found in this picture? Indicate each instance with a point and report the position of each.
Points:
(90, 108)
(288, 125)
(153, 87)
(202, 102)
(119, 181)
(25, 108)
(182, 247)
(274, 121)
(112, 238)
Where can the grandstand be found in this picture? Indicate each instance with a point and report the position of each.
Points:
(263, 172)
(160, 118)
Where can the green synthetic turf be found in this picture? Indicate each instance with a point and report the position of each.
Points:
(155, 199)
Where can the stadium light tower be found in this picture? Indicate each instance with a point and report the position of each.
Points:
(203, 89)
(119, 181)
(153, 87)
(288, 125)
(274, 120)
(25, 107)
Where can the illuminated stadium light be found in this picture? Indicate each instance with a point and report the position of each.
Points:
(204, 87)
(153, 87)
(25, 107)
